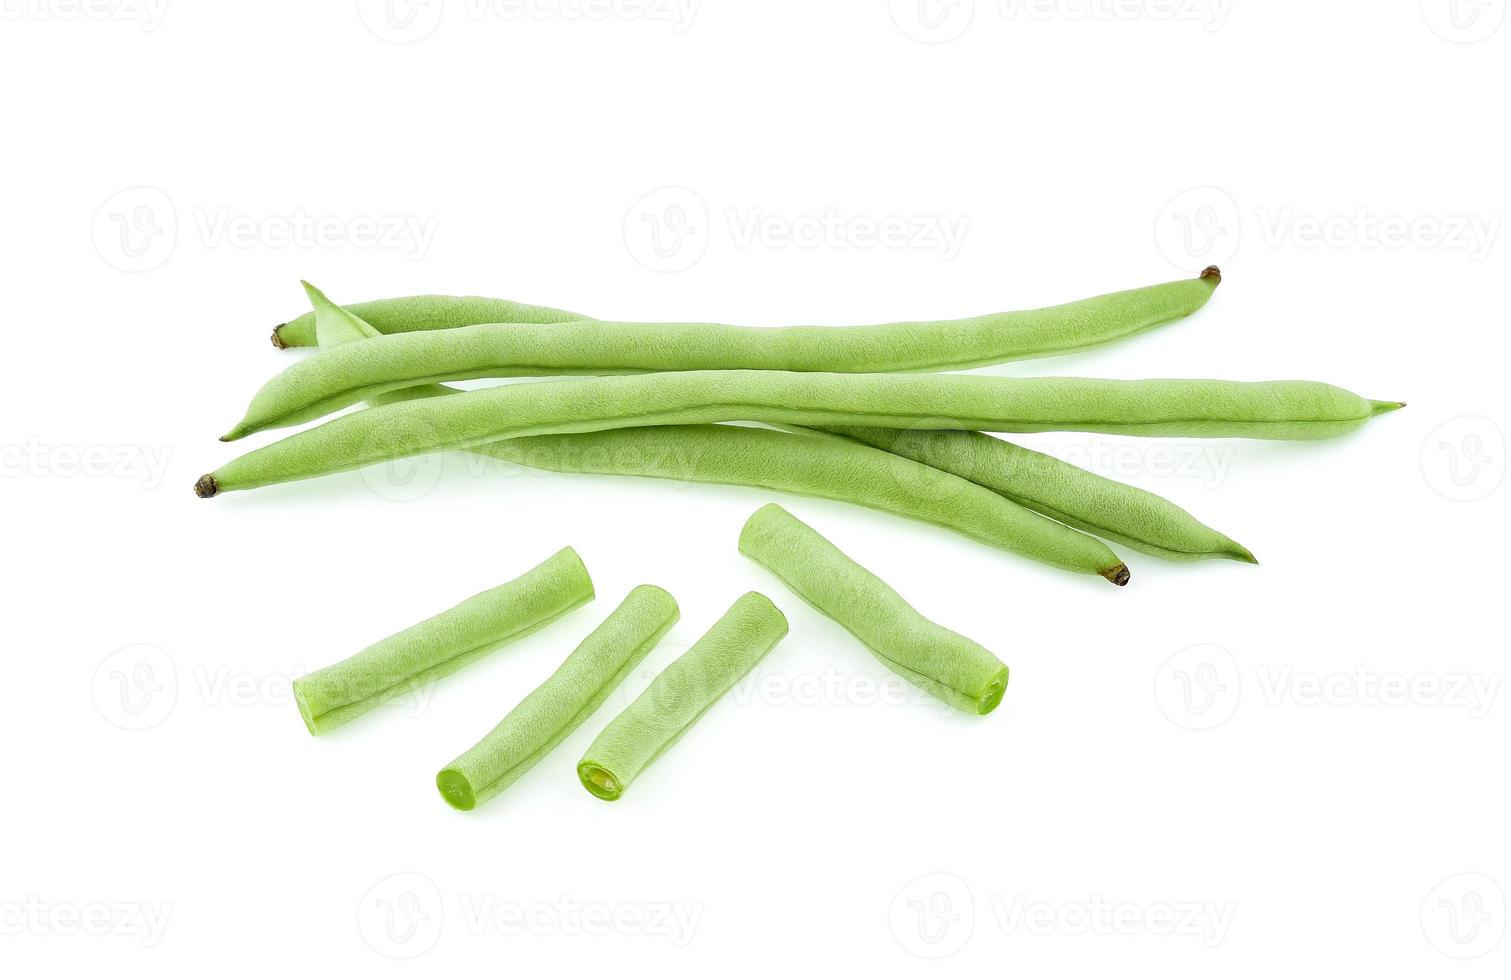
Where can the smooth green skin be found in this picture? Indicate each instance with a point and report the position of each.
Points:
(559, 706)
(811, 464)
(960, 672)
(1130, 516)
(442, 644)
(680, 695)
(410, 313)
(337, 378)
(1260, 410)
(1070, 495)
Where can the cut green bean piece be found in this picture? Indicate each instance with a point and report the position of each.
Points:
(1116, 511)
(957, 671)
(410, 313)
(442, 644)
(680, 695)
(337, 378)
(568, 697)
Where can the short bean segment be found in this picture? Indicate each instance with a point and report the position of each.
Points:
(958, 671)
(809, 464)
(338, 378)
(559, 706)
(411, 313)
(443, 644)
(1121, 513)
(680, 695)
(1261, 410)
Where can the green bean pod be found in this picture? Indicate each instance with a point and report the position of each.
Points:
(442, 644)
(1121, 513)
(337, 378)
(559, 706)
(411, 313)
(1261, 410)
(957, 671)
(810, 464)
(680, 695)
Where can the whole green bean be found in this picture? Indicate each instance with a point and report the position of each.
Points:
(680, 695)
(442, 644)
(424, 313)
(1116, 511)
(337, 378)
(563, 702)
(812, 464)
(1261, 410)
(958, 671)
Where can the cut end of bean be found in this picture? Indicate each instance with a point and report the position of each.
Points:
(599, 781)
(278, 340)
(1380, 408)
(1212, 274)
(1118, 574)
(455, 789)
(993, 694)
(206, 486)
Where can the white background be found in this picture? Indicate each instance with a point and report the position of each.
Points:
(1346, 163)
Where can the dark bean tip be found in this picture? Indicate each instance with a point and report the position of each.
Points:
(206, 486)
(277, 340)
(1117, 574)
(1213, 273)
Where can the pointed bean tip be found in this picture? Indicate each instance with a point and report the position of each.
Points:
(206, 486)
(1380, 408)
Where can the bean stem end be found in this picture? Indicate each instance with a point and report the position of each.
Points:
(206, 486)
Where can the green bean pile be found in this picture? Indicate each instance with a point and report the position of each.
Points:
(863, 414)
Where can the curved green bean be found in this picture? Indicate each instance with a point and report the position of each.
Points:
(1125, 514)
(442, 644)
(337, 378)
(812, 464)
(958, 671)
(411, 313)
(1261, 410)
(563, 702)
(680, 695)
